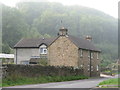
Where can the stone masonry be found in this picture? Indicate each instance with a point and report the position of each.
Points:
(63, 52)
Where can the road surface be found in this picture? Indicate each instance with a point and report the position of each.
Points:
(86, 83)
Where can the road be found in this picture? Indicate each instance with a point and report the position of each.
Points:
(86, 83)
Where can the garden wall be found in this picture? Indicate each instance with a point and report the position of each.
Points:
(37, 70)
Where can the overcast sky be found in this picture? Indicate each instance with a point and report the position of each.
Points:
(108, 6)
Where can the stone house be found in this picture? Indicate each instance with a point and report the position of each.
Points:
(63, 50)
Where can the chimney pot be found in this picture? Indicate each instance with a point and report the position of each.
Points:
(63, 31)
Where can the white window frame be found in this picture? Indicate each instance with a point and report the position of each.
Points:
(92, 68)
(81, 53)
(81, 65)
(97, 55)
(88, 67)
(44, 49)
(92, 54)
(25, 62)
(97, 68)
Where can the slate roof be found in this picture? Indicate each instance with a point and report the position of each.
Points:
(83, 44)
(35, 43)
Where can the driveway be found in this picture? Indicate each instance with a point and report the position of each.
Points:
(86, 83)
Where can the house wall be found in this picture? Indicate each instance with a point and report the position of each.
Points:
(63, 52)
(95, 62)
(24, 54)
(85, 62)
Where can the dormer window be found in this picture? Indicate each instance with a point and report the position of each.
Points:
(43, 49)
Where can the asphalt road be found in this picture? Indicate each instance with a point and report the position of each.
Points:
(86, 83)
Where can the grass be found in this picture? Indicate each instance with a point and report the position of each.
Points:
(0, 83)
(110, 82)
(36, 80)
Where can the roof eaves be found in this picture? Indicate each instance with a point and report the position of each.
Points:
(15, 46)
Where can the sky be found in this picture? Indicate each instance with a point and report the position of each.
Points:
(107, 6)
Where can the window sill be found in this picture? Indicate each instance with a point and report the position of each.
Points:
(43, 53)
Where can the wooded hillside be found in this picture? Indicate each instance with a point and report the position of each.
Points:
(31, 19)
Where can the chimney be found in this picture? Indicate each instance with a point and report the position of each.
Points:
(63, 31)
(89, 38)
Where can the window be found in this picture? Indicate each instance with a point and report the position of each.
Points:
(25, 62)
(81, 66)
(97, 55)
(81, 53)
(88, 67)
(91, 68)
(43, 50)
(97, 68)
(91, 54)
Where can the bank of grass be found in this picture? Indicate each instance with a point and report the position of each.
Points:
(113, 82)
(37, 80)
(0, 84)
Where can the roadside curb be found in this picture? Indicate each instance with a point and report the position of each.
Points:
(109, 86)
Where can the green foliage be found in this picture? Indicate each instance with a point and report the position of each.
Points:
(6, 48)
(110, 82)
(20, 80)
(43, 62)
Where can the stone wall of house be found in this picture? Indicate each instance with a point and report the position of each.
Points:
(63, 53)
(24, 54)
(95, 62)
(84, 62)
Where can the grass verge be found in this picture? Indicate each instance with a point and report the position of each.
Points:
(0, 84)
(36, 80)
(111, 83)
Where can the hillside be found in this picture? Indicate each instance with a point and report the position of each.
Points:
(44, 20)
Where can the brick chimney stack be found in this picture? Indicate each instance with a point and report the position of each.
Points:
(63, 31)
(89, 38)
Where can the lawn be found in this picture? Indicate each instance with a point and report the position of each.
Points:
(111, 82)
(43, 79)
(0, 83)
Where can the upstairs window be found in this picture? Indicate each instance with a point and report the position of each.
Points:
(91, 54)
(97, 55)
(81, 52)
(43, 49)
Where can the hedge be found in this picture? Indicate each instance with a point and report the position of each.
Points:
(37, 70)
